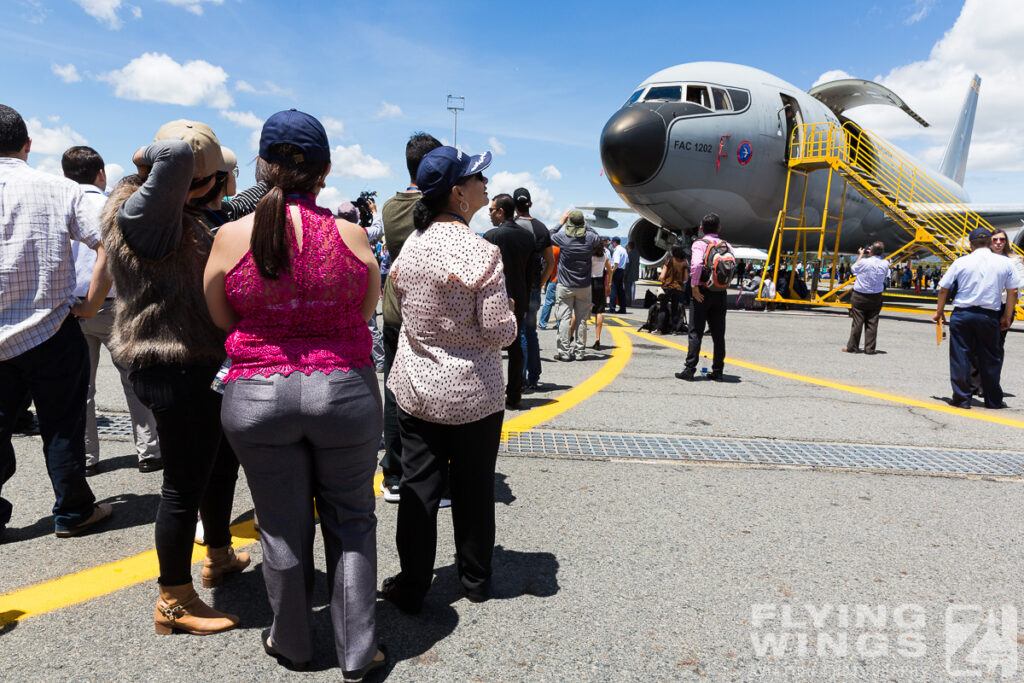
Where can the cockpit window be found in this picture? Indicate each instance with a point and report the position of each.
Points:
(722, 102)
(664, 93)
(635, 96)
(698, 94)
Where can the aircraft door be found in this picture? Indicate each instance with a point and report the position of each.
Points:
(790, 119)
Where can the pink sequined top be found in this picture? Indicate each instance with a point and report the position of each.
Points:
(310, 317)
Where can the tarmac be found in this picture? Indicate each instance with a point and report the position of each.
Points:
(817, 555)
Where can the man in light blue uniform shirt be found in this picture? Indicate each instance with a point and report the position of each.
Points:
(981, 277)
(866, 301)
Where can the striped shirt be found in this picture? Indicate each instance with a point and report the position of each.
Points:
(40, 214)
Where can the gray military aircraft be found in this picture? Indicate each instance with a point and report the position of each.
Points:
(714, 137)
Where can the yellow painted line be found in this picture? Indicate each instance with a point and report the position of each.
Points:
(599, 380)
(108, 578)
(984, 416)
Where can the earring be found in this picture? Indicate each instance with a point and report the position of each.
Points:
(463, 206)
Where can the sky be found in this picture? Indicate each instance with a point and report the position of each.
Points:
(540, 79)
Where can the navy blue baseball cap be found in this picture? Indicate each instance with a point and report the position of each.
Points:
(296, 128)
(441, 169)
(980, 234)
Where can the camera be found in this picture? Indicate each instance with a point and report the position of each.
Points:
(363, 204)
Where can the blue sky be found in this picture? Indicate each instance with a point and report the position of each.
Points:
(540, 78)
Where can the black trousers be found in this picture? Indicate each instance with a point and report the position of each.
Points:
(864, 309)
(200, 469)
(514, 386)
(470, 450)
(391, 463)
(712, 312)
(618, 293)
(56, 374)
(974, 335)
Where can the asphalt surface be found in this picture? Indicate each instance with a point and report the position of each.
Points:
(613, 569)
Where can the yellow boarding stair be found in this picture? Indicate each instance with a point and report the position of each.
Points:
(886, 178)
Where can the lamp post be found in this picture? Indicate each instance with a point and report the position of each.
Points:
(456, 103)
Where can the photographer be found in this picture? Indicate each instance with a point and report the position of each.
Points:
(866, 301)
(369, 217)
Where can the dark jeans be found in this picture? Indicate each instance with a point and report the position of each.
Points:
(618, 294)
(528, 339)
(391, 463)
(56, 374)
(864, 309)
(712, 312)
(975, 331)
(514, 386)
(472, 450)
(200, 468)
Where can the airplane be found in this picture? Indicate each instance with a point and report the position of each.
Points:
(714, 137)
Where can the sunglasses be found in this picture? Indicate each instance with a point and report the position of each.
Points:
(998, 239)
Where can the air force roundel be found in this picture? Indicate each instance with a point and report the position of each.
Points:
(744, 153)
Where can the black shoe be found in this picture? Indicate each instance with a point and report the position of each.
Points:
(686, 375)
(92, 470)
(389, 487)
(597, 346)
(532, 386)
(513, 405)
(281, 659)
(998, 407)
(715, 375)
(379, 661)
(621, 311)
(482, 594)
(25, 423)
(151, 464)
(394, 592)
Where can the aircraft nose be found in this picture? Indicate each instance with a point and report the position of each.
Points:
(632, 145)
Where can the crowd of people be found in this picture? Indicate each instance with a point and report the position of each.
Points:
(244, 333)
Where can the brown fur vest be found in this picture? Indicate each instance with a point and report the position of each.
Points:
(160, 315)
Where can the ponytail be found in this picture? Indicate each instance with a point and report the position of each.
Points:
(425, 211)
(269, 244)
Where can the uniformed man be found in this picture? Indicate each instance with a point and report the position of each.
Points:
(980, 278)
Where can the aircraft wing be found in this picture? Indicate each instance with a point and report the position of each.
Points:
(601, 220)
(852, 92)
(1007, 217)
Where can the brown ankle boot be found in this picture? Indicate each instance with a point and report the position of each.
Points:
(180, 609)
(221, 561)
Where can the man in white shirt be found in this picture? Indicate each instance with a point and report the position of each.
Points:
(866, 301)
(85, 166)
(980, 278)
(42, 351)
(620, 259)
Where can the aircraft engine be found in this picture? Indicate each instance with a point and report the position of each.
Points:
(653, 242)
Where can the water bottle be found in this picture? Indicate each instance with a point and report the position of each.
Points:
(704, 371)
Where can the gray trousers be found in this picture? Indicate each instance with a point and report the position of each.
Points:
(302, 438)
(97, 333)
(571, 301)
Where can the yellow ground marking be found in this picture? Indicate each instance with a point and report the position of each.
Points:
(599, 380)
(108, 578)
(984, 416)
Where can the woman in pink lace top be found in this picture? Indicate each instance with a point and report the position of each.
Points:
(447, 377)
(294, 287)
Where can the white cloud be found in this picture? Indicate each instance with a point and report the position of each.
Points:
(353, 162)
(158, 78)
(68, 74)
(49, 164)
(334, 127)
(985, 39)
(269, 88)
(34, 11)
(330, 198)
(246, 120)
(388, 111)
(114, 173)
(551, 173)
(193, 6)
(921, 9)
(834, 75)
(496, 145)
(105, 11)
(52, 140)
(543, 207)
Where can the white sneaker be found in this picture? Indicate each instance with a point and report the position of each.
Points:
(200, 537)
(391, 493)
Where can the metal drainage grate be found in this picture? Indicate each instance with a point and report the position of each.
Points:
(766, 452)
(108, 426)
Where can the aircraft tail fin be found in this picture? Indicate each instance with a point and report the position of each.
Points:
(954, 161)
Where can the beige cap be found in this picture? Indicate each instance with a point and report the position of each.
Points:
(230, 160)
(205, 145)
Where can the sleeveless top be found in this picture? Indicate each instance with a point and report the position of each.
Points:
(308, 319)
(674, 274)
